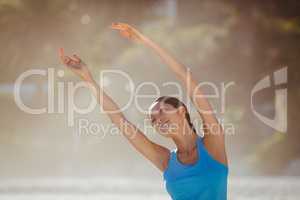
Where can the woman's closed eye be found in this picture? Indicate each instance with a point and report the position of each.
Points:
(153, 121)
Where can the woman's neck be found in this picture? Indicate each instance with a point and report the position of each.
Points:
(185, 140)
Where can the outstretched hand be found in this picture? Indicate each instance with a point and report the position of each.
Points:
(128, 31)
(75, 64)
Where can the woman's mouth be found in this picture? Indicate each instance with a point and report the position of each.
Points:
(164, 126)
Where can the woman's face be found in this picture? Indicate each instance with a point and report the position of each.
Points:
(165, 118)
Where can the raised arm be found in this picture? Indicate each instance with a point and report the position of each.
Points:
(214, 139)
(157, 154)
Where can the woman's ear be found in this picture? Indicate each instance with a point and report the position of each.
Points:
(181, 110)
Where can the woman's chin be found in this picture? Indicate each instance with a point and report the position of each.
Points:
(165, 131)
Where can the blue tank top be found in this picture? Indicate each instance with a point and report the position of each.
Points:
(204, 180)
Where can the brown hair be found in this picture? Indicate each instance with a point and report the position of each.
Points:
(176, 103)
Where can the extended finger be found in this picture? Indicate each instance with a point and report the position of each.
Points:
(76, 58)
(67, 60)
(118, 26)
(61, 54)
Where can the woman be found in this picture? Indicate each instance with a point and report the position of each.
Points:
(197, 168)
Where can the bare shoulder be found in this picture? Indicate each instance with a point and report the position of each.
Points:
(215, 145)
(166, 158)
(163, 156)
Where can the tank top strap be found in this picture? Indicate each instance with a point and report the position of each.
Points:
(205, 155)
(172, 158)
(202, 150)
(200, 144)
